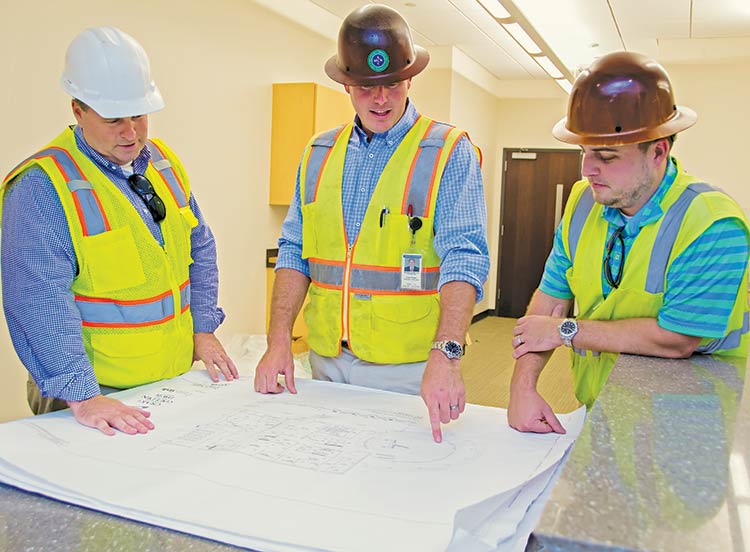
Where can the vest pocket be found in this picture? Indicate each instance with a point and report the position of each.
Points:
(405, 325)
(323, 319)
(309, 235)
(125, 360)
(111, 261)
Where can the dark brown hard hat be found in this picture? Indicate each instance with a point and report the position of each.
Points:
(622, 98)
(375, 47)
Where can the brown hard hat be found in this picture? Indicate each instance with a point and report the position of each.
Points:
(375, 47)
(622, 98)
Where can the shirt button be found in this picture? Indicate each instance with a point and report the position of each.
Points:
(357, 225)
(390, 142)
(362, 190)
(371, 156)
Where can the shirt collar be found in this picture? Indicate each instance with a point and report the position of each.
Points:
(139, 163)
(651, 211)
(393, 134)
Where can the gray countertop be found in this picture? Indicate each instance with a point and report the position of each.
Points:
(661, 464)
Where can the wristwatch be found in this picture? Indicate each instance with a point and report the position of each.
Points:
(452, 349)
(568, 330)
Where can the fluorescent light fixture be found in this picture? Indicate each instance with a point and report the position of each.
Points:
(495, 8)
(517, 32)
(547, 65)
(565, 85)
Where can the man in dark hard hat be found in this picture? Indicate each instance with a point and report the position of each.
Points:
(655, 258)
(390, 186)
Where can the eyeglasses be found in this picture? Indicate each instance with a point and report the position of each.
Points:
(143, 187)
(616, 237)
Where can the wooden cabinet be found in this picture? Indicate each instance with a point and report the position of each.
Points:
(300, 110)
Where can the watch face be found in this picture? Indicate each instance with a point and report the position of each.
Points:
(568, 328)
(453, 349)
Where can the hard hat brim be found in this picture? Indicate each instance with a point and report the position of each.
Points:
(683, 118)
(333, 70)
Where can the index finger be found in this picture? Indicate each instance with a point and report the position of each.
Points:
(434, 413)
(289, 380)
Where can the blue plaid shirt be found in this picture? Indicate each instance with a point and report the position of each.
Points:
(39, 265)
(460, 216)
(702, 282)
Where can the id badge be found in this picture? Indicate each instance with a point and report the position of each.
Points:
(411, 271)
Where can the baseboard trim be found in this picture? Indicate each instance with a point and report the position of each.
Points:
(482, 315)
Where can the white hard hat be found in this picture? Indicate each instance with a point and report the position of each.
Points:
(109, 71)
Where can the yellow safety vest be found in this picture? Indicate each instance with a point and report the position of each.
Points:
(132, 294)
(690, 208)
(356, 294)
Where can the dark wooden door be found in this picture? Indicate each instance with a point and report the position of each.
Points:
(536, 186)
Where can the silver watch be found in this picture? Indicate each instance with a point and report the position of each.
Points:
(452, 349)
(568, 330)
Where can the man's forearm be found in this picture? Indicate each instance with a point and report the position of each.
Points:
(457, 301)
(528, 367)
(638, 336)
(289, 290)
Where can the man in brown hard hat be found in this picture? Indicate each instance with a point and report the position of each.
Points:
(655, 259)
(390, 186)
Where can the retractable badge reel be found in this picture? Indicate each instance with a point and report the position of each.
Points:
(411, 261)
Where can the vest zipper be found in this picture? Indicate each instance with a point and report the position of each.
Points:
(345, 299)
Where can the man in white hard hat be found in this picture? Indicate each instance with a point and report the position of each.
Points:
(390, 186)
(109, 269)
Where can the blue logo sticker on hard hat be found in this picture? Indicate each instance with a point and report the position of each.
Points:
(378, 60)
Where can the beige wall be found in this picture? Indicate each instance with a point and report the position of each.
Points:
(714, 149)
(475, 110)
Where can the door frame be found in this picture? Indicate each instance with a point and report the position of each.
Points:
(503, 167)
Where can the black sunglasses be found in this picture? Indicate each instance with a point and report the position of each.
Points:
(143, 187)
(615, 280)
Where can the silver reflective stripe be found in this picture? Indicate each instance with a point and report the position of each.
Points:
(332, 275)
(424, 167)
(167, 172)
(92, 221)
(667, 235)
(96, 312)
(728, 342)
(380, 280)
(75, 185)
(162, 164)
(185, 298)
(320, 149)
(581, 213)
(582, 352)
(363, 279)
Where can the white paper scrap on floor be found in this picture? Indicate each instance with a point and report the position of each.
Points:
(336, 467)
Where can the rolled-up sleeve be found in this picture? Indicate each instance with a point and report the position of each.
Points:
(290, 243)
(461, 221)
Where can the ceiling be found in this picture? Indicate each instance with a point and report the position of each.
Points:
(574, 31)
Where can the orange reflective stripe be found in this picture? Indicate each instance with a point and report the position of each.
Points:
(87, 204)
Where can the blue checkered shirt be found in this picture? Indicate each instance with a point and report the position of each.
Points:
(460, 215)
(39, 264)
